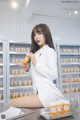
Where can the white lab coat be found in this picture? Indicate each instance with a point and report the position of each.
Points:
(43, 74)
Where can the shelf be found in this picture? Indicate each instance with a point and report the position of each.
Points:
(18, 53)
(20, 87)
(71, 93)
(1, 76)
(73, 83)
(69, 69)
(1, 52)
(76, 63)
(69, 54)
(1, 101)
(19, 75)
(1, 64)
(71, 73)
(1, 88)
(13, 64)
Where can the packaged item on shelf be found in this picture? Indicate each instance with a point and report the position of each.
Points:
(16, 72)
(29, 82)
(11, 49)
(1, 84)
(22, 50)
(14, 95)
(0, 96)
(11, 83)
(73, 90)
(0, 72)
(25, 83)
(16, 83)
(12, 72)
(17, 60)
(11, 95)
(16, 49)
(13, 61)
(21, 72)
(20, 94)
(20, 83)
(76, 90)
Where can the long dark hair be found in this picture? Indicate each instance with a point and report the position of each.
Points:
(43, 28)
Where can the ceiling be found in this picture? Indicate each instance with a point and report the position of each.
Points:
(5, 5)
(60, 8)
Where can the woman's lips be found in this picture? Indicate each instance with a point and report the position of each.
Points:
(37, 41)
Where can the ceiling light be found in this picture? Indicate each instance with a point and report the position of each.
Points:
(14, 4)
(69, 13)
(75, 12)
(27, 2)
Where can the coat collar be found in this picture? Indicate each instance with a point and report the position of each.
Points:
(45, 46)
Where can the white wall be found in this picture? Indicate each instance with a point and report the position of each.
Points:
(64, 30)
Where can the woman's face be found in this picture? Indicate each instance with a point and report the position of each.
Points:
(39, 39)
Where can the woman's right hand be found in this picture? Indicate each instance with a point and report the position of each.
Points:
(21, 64)
(25, 66)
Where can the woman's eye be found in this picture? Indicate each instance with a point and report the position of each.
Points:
(40, 33)
(34, 35)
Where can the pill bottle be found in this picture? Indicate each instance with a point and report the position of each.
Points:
(25, 83)
(0, 96)
(14, 95)
(29, 82)
(53, 110)
(60, 107)
(20, 83)
(11, 83)
(11, 95)
(20, 94)
(1, 84)
(16, 83)
(66, 106)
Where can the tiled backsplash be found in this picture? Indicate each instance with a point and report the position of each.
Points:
(14, 28)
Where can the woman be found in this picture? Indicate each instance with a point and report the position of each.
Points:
(43, 68)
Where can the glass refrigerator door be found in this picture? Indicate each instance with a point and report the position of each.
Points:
(2, 74)
(19, 82)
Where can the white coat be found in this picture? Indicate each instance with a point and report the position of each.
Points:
(43, 74)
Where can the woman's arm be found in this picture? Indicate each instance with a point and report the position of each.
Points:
(50, 69)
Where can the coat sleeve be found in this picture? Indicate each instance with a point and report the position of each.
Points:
(50, 69)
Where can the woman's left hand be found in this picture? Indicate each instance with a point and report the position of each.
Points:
(32, 57)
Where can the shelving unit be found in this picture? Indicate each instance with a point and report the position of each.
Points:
(69, 72)
(2, 73)
(19, 82)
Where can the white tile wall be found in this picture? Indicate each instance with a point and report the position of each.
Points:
(64, 30)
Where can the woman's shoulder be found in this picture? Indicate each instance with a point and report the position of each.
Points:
(50, 50)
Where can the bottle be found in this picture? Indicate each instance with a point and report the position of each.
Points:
(26, 60)
(60, 107)
(53, 110)
(66, 105)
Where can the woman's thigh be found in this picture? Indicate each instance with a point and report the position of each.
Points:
(26, 101)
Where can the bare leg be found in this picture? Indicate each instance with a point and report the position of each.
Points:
(26, 101)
